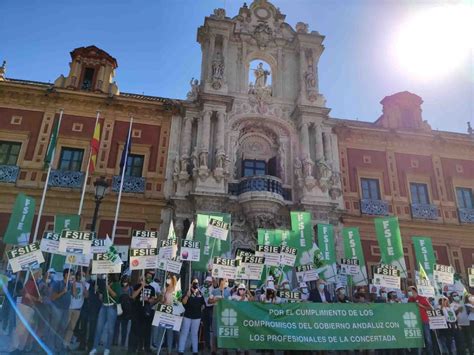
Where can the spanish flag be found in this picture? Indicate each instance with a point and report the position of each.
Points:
(95, 143)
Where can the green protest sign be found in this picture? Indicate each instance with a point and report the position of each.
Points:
(317, 326)
(353, 250)
(61, 222)
(301, 237)
(424, 254)
(327, 246)
(209, 245)
(21, 219)
(390, 243)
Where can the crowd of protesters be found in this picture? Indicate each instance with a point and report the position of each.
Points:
(78, 311)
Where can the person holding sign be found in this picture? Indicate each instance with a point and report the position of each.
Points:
(79, 292)
(31, 298)
(193, 302)
(423, 306)
(463, 320)
(448, 335)
(167, 299)
(61, 298)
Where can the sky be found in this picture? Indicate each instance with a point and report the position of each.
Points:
(373, 48)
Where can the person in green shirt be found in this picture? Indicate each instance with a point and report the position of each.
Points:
(110, 292)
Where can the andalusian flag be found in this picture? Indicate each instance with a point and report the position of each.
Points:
(95, 143)
(52, 145)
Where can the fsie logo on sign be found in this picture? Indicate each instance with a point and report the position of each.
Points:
(229, 318)
(412, 331)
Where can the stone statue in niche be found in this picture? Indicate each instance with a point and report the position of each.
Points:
(194, 160)
(261, 76)
(298, 167)
(193, 93)
(184, 164)
(302, 27)
(310, 79)
(308, 168)
(218, 66)
(220, 161)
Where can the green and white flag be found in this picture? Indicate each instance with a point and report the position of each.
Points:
(171, 232)
(327, 246)
(390, 243)
(353, 250)
(52, 144)
(301, 237)
(21, 219)
(210, 247)
(424, 254)
(61, 222)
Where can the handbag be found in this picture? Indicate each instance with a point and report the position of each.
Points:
(119, 309)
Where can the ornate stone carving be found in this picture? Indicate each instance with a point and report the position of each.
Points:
(263, 34)
(217, 75)
(302, 27)
(219, 13)
(261, 76)
(176, 168)
(3, 71)
(298, 169)
(192, 95)
(203, 171)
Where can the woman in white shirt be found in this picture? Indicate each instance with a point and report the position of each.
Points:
(242, 294)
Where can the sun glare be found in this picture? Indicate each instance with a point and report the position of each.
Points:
(435, 42)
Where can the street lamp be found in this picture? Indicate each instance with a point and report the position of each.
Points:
(101, 186)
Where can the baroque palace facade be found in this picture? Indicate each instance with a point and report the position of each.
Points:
(253, 138)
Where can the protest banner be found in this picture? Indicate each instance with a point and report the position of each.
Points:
(250, 267)
(425, 288)
(327, 246)
(62, 222)
(424, 254)
(437, 319)
(190, 250)
(390, 243)
(78, 259)
(99, 246)
(76, 242)
(210, 247)
(290, 296)
(101, 264)
(301, 237)
(141, 259)
(288, 255)
(170, 265)
(168, 249)
(306, 273)
(164, 317)
(350, 266)
(353, 250)
(316, 326)
(270, 253)
(25, 257)
(470, 272)
(240, 252)
(443, 274)
(50, 243)
(20, 222)
(384, 276)
(224, 268)
(217, 229)
(142, 239)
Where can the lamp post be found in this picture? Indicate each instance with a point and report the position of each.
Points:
(101, 186)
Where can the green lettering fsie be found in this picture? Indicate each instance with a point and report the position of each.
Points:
(424, 254)
(390, 243)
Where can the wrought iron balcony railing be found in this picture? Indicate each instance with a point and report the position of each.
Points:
(68, 179)
(424, 211)
(132, 184)
(374, 207)
(9, 173)
(259, 183)
(466, 215)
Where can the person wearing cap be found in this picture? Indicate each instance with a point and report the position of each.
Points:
(341, 296)
(242, 294)
(449, 335)
(193, 302)
(423, 306)
(304, 290)
(270, 294)
(206, 291)
(382, 297)
(320, 294)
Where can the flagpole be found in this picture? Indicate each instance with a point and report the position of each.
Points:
(122, 178)
(87, 168)
(40, 212)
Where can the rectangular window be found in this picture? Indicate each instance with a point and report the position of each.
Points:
(370, 189)
(88, 77)
(419, 193)
(464, 196)
(70, 159)
(9, 152)
(254, 167)
(134, 165)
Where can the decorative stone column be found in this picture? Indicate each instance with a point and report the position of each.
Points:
(319, 143)
(204, 144)
(221, 162)
(327, 147)
(306, 159)
(185, 148)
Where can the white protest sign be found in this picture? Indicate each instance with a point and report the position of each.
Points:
(290, 296)
(306, 273)
(190, 250)
(341, 279)
(78, 259)
(270, 253)
(102, 265)
(388, 281)
(443, 274)
(76, 242)
(168, 249)
(287, 255)
(437, 319)
(169, 265)
(217, 229)
(350, 266)
(144, 239)
(23, 258)
(50, 243)
(425, 288)
(250, 267)
(224, 268)
(164, 317)
(143, 259)
(99, 246)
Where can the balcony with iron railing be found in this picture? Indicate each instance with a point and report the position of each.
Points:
(374, 207)
(9, 173)
(131, 184)
(424, 211)
(66, 179)
(466, 215)
(260, 184)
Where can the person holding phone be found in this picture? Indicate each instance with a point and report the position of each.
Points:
(193, 302)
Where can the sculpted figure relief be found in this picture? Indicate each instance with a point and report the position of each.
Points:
(193, 93)
(261, 76)
(218, 66)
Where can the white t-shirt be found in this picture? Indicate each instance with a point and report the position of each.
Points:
(77, 299)
(471, 311)
(462, 316)
(156, 286)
